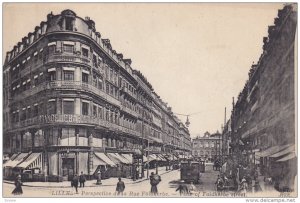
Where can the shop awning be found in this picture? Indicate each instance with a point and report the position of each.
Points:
(34, 160)
(272, 150)
(98, 162)
(288, 157)
(16, 161)
(151, 157)
(105, 159)
(283, 152)
(128, 157)
(144, 158)
(157, 157)
(156, 139)
(161, 157)
(14, 156)
(117, 158)
(123, 159)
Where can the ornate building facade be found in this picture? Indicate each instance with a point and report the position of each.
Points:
(70, 98)
(208, 147)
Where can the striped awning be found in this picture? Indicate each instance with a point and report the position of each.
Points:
(288, 157)
(97, 161)
(34, 160)
(284, 152)
(128, 157)
(162, 157)
(151, 157)
(105, 159)
(16, 161)
(272, 150)
(144, 158)
(119, 158)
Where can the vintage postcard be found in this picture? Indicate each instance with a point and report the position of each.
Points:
(149, 100)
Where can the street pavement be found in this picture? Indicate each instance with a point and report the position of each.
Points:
(140, 188)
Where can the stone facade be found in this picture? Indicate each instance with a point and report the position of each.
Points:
(208, 147)
(68, 94)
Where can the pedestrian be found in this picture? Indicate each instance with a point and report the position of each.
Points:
(244, 185)
(154, 181)
(120, 187)
(192, 187)
(75, 183)
(257, 187)
(219, 183)
(82, 179)
(183, 189)
(18, 186)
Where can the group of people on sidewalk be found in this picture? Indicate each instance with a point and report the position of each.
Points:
(76, 180)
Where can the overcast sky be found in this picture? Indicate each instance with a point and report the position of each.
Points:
(196, 56)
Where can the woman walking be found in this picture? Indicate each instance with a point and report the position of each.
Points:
(18, 189)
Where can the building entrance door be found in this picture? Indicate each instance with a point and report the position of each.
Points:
(68, 168)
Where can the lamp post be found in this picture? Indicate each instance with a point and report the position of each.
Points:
(148, 159)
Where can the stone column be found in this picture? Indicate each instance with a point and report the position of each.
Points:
(77, 74)
(32, 133)
(77, 106)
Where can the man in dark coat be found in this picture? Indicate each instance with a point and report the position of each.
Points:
(18, 189)
(75, 183)
(183, 189)
(120, 187)
(154, 181)
(82, 179)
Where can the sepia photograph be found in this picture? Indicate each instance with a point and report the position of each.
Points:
(149, 100)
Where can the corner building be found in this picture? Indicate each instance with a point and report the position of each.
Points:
(71, 102)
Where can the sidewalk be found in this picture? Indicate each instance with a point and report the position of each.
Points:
(91, 183)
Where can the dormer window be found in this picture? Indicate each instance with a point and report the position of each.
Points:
(69, 23)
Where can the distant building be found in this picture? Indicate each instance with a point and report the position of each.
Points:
(208, 147)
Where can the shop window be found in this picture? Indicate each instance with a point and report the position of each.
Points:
(85, 78)
(68, 75)
(85, 108)
(68, 107)
(82, 132)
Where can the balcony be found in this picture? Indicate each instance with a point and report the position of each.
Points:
(156, 112)
(126, 91)
(129, 111)
(64, 57)
(66, 119)
(31, 91)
